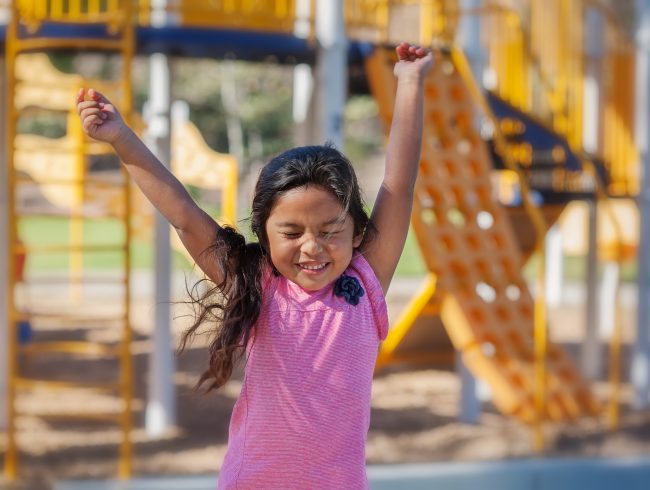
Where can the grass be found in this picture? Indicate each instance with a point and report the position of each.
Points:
(55, 231)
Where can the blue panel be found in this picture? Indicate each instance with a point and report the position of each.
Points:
(541, 138)
(221, 43)
(207, 43)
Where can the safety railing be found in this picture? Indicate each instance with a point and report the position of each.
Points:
(538, 61)
(109, 12)
(391, 21)
(23, 35)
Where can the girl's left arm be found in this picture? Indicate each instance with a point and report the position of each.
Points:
(392, 211)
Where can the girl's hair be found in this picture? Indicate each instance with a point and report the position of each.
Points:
(232, 307)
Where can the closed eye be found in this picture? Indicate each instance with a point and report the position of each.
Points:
(291, 236)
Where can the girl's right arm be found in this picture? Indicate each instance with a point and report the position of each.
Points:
(196, 229)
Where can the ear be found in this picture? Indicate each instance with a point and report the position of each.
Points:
(356, 241)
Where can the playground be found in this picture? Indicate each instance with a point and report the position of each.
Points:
(518, 349)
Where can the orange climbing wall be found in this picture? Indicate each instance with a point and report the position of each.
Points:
(468, 244)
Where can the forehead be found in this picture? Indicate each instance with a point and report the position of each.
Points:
(307, 203)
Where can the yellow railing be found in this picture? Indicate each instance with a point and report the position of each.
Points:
(537, 59)
(109, 12)
(263, 15)
(390, 21)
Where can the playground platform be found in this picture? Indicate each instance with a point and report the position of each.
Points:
(533, 474)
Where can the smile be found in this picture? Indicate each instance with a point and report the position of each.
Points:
(314, 267)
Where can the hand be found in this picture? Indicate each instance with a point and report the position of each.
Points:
(99, 118)
(414, 62)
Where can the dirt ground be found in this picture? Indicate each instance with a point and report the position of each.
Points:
(414, 413)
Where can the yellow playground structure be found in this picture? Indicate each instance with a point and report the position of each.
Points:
(503, 157)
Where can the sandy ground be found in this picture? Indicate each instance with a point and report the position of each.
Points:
(414, 412)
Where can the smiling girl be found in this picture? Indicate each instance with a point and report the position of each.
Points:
(305, 303)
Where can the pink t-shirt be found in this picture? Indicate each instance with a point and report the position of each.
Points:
(302, 417)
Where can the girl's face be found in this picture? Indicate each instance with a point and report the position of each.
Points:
(308, 242)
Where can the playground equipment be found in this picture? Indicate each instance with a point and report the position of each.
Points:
(473, 247)
(535, 135)
(476, 285)
(23, 35)
(48, 164)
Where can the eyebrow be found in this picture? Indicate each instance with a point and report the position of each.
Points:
(288, 224)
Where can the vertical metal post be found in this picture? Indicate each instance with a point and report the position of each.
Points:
(554, 266)
(331, 69)
(640, 367)
(161, 409)
(469, 37)
(590, 355)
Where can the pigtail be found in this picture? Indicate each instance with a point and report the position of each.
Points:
(230, 308)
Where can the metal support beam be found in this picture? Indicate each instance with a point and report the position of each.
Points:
(554, 266)
(590, 358)
(469, 33)
(161, 403)
(331, 70)
(640, 367)
(303, 82)
(589, 353)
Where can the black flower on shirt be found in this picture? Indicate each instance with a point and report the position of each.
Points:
(349, 288)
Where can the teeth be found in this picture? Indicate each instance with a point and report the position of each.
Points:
(313, 267)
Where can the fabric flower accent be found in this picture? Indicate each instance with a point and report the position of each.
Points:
(349, 288)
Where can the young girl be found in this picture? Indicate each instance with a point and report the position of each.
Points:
(306, 304)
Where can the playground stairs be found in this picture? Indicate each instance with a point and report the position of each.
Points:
(475, 287)
(103, 336)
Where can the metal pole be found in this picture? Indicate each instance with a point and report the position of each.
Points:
(4, 252)
(331, 69)
(161, 409)
(590, 356)
(469, 37)
(303, 78)
(589, 353)
(640, 366)
(554, 266)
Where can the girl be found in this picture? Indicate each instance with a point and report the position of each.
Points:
(306, 304)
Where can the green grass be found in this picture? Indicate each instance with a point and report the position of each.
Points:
(411, 262)
(56, 231)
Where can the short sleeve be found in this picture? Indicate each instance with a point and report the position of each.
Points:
(372, 286)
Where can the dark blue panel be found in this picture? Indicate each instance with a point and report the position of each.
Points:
(222, 43)
(541, 138)
(553, 181)
(207, 43)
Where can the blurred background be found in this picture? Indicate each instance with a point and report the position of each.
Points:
(520, 310)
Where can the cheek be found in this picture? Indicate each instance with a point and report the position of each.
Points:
(341, 244)
(280, 248)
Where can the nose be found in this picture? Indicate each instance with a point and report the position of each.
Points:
(311, 245)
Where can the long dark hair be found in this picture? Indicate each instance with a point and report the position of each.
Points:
(232, 307)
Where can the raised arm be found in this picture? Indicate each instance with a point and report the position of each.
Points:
(197, 230)
(392, 211)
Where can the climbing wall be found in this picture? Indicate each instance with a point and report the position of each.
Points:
(469, 247)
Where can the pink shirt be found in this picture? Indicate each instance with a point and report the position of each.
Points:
(303, 414)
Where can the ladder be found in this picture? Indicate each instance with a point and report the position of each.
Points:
(103, 335)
